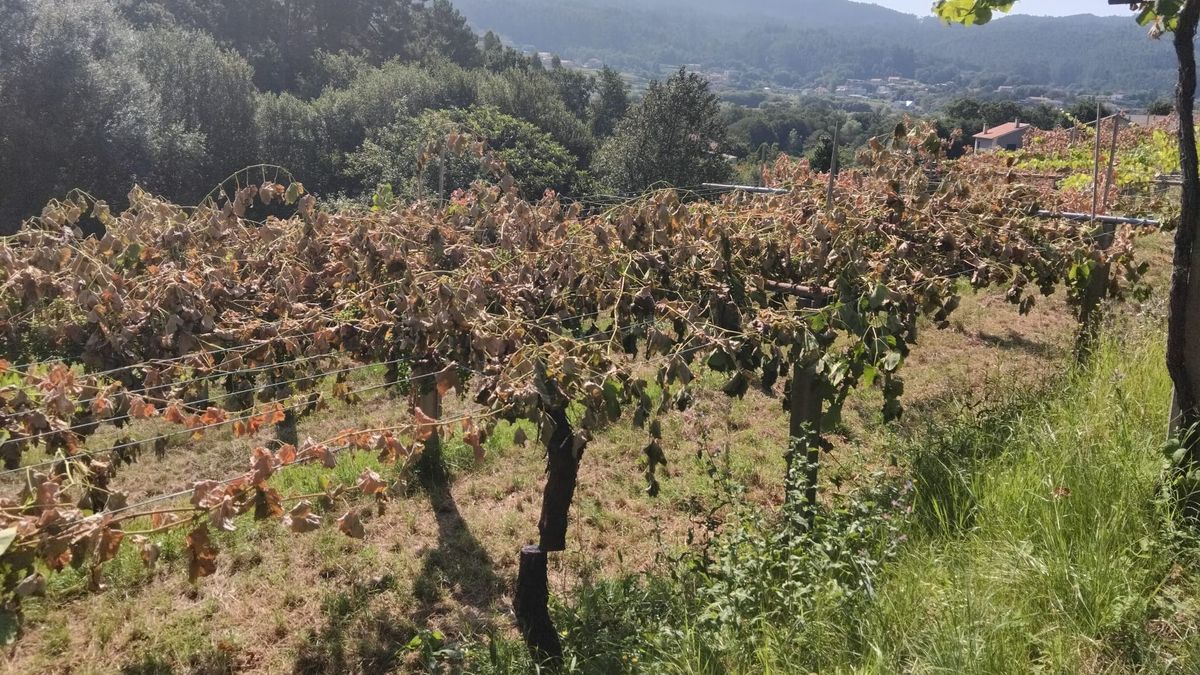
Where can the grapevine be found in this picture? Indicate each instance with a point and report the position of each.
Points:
(531, 310)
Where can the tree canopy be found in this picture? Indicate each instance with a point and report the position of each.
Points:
(176, 95)
(674, 135)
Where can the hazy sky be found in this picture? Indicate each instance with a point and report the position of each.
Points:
(1043, 7)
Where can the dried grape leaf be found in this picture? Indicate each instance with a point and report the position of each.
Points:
(351, 525)
(202, 554)
(262, 465)
(369, 483)
(426, 425)
(221, 516)
(268, 503)
(206, 494)
(301, 519)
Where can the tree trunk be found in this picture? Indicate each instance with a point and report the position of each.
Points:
(533, 615)
(530, 602)
(804, 428)
(1183, 324)
(286, 432)
(430, 467)
(562, 472)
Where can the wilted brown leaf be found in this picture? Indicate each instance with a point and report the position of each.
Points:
(139, 409)
(174, 413)
(267, 503)
(207, 494)
(222, 514)
(351, 525)
(202, 554)
(286, 454)
(301, 519)
(369, 483)
(262, 465)
(107, 544)
(448, 379)
(160, 520)
(426, 425)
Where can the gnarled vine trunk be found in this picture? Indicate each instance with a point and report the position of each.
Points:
(530, 601)
(562, 471)
(1183, 327)
(804, 428)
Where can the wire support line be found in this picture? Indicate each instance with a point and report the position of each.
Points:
(193, 430)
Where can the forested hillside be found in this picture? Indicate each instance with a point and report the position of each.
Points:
(176, 95)
(804, 41)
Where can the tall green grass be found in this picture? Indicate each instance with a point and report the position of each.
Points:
(1038, 539)
(1026, 536)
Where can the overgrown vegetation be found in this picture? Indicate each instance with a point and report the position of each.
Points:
(1023, 532)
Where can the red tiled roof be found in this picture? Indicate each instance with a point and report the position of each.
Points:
(1002, 130)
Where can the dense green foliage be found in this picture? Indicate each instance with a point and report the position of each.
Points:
(389, 155)
(283, 41)
(175, 95)
(674, 135)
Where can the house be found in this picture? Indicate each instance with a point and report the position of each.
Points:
(1008, 136)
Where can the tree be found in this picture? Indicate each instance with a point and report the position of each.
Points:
(389, 156)
(1161, 107)
(574, 88)
(820, 153)
(283, 40)
(610, 104)
(443, 30)
(534, 97)
(674, 135)
(206, 91)
(1085, 108)
(75, 111)
(1183, 322)
(289, 132)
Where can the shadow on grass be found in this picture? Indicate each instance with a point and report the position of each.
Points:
(362, 638)
(357, 638)
(1016, 342)
(459, 567)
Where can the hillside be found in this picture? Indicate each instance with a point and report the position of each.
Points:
(797, 43)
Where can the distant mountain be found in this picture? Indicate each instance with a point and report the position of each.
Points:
(796, 42)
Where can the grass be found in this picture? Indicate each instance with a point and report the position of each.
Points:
(1038, 546)
(1030, 539)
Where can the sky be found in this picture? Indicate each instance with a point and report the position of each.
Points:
(1040, 7)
